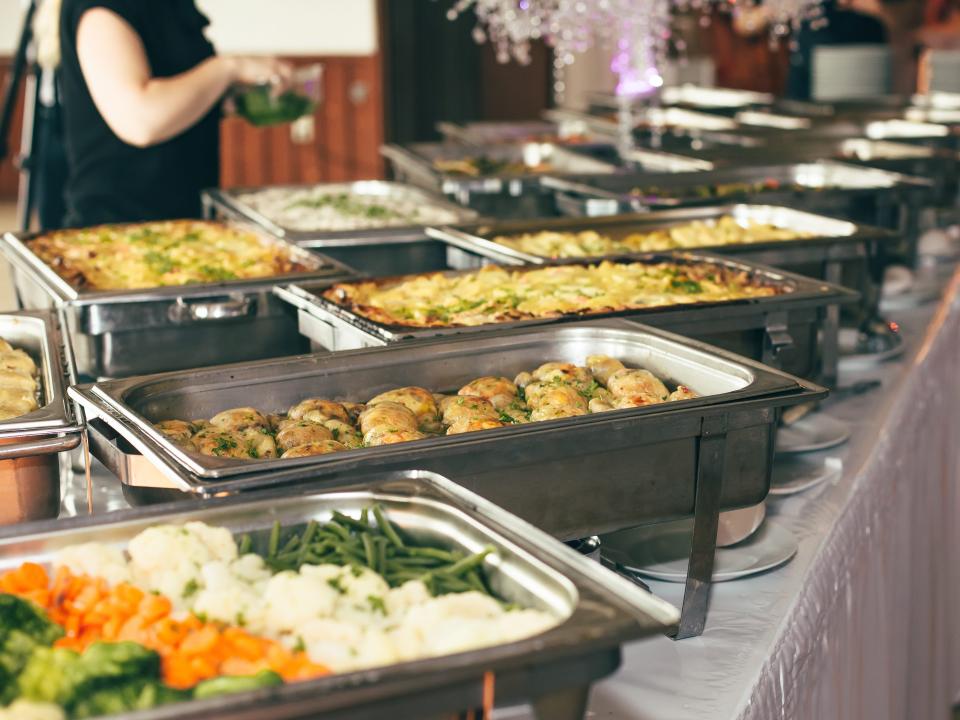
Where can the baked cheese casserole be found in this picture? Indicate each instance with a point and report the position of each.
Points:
(696, 234)
(493, 294)
(157, 254)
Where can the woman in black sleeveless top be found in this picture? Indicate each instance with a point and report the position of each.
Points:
(141, 88)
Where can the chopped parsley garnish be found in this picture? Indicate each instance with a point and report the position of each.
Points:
(337, 585)
(190, 588)
(377, 604)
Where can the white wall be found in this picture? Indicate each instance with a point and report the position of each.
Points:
(292, 27)
(11, 16)
(289, 27)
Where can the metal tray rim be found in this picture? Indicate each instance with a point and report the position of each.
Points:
(229, 199)
(466, 237)
(802, 289)
(629, 613)
(14, 246)
(55, 417)
(762, 381)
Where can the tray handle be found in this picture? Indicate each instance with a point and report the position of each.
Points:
(237, 306)
(44, 446)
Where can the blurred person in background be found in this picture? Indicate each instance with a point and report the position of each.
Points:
(842, 22)
(140, 87)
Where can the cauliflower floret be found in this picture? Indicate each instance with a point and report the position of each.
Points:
(400, 600)
(29, 710)
(96, 559)
(293, 599)
(363, 584)
(448, 624)
(251, 568)
(228, 597)
(168, 558)
(345, 646)
(331, 642)
(218, 541)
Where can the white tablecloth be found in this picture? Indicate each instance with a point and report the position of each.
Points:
(865, 621)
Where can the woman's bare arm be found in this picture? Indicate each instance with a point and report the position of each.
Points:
(143, 110)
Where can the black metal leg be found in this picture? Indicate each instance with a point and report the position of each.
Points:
(703, 548)
(567, 704)
(829, 344)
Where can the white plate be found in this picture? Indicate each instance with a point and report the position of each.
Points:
(662, 551)
(850, 360)
(795, 473)
(814, 432)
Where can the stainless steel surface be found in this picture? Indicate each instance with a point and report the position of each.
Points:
(415, 163)
(125, 332)
(598, 610)
(782, 329)
(29, 444)
(537, 470)
(230, 204)
(479, 238)
(38, 334)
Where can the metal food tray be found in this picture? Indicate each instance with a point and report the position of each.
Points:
(553, 670)
(822, 186)
(828, 234)
(781, 330)
(491, 133)
(840, 252)
(29, 444)
(659, 462)
(229, 204)
(125, 332)
(415, 163)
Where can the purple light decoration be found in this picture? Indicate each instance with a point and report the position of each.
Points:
(633, 81)
(524, 5)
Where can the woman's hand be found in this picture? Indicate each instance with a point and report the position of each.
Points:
(254, 70)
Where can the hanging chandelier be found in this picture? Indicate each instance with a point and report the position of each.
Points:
(637, 31)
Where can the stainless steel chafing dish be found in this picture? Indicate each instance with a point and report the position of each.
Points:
(834, 247)
(125, 332)
(782, 329)
(381, 250)
(598, 610)
(230, 204)
(30, 444)
(537, 470)
(516, 194)
(863, 194)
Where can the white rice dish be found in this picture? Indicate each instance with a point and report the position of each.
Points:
(334, 209)
(346, 618)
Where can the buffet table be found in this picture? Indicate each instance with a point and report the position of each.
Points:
(862, 623)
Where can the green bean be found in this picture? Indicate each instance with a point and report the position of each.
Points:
(245, 544)
(348, 521)
(274, 539)
(382, 555)
(429, 552)
(291, 543)
(471, 561)
(338, 529)
(309, 532)
(386, 527)
(369, 551)
(365, 517)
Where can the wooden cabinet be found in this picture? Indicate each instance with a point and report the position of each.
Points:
(343, 143)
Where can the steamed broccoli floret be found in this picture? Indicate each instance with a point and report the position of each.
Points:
(126, 697)
(51, 675)
(23, 627)
(228, 685)
(121, 675)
